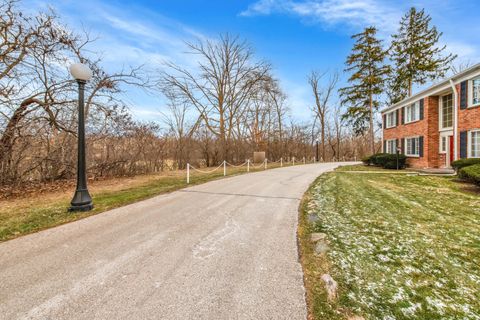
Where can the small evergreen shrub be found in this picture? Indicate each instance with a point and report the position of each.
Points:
(386, 160)
(462, 163)
(367, 160)
(470, 173)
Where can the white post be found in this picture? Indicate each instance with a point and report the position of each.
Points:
(188, 173)
(265, 164)
(293, 161)
(355, 158)
(281, 162)
(224, 168)
(314, 159)
(248, 165)
(321, 159)
(303, 160)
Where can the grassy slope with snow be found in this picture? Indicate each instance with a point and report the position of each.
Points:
(402, 247)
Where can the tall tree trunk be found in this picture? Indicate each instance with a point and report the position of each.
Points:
(372, 133)
(323, 138)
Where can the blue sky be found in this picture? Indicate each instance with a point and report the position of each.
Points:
(295, 36)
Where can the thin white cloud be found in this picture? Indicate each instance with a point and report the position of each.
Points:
(330, 12)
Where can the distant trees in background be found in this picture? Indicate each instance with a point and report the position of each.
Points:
(228, 107)
(225, 108)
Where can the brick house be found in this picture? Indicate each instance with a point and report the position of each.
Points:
(437, 125)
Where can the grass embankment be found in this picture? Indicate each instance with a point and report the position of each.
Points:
(25, 215)
(401, 246)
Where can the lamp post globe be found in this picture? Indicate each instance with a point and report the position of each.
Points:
(81, 72)
(82, 201)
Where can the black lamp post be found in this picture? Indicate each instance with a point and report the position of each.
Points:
(398, 154)
(316, 152)
(81, 199)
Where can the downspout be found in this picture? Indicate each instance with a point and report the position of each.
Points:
(455, 120)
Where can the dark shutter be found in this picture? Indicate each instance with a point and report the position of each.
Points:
(403, 115)
(397, 117)
(384, 121)
(463, 95)
(403, 147)
(420, 146)
(463, 144)
(421, 109)
(384, 146)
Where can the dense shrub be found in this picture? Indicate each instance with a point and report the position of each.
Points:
(471, 173)
(386, 160)
(367, 160)
(462, 163)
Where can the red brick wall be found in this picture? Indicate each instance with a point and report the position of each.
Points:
(417, 128)
(467, 119)
(433, 137)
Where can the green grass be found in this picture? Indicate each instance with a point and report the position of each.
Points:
(20, 217)
(402, 247)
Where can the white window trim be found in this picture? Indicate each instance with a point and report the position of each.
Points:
(440, 113)
(470, 93)
(415, 105)
(406, 147)
(394, 124)
(469, 143)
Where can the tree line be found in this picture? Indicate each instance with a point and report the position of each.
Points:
(225, 108)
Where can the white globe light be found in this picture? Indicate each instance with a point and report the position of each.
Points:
(80, 71)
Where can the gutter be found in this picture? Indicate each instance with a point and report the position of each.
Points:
(455, 119)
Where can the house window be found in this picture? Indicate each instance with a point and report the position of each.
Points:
(391, 146)
(443, 144)
(446, 111)
(474, 92)
(412, 112)
(391, 119)
(412, 146)
(474, 144)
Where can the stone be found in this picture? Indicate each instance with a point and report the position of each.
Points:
(312, 218)
(321, 247)
(317, 236)
(331, 287)
(355, 318)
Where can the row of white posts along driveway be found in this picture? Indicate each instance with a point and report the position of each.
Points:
(248, 163)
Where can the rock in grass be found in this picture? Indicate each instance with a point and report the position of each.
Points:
(312, 218)
(355, 318)
(321, 247)
(331, 287)
(317, 236)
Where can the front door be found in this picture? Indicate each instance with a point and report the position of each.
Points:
(450, 150)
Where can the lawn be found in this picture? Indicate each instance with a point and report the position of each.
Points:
(34, 212)
(401, 246)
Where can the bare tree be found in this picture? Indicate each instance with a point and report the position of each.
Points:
(322, 97)
(223, 87)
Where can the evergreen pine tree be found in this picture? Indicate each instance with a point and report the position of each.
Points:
(367, 81)
(416, 55)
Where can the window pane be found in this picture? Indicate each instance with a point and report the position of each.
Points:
(444, 144)
(476, 91)
(412, 146)
(447, 111)
(475, 144)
